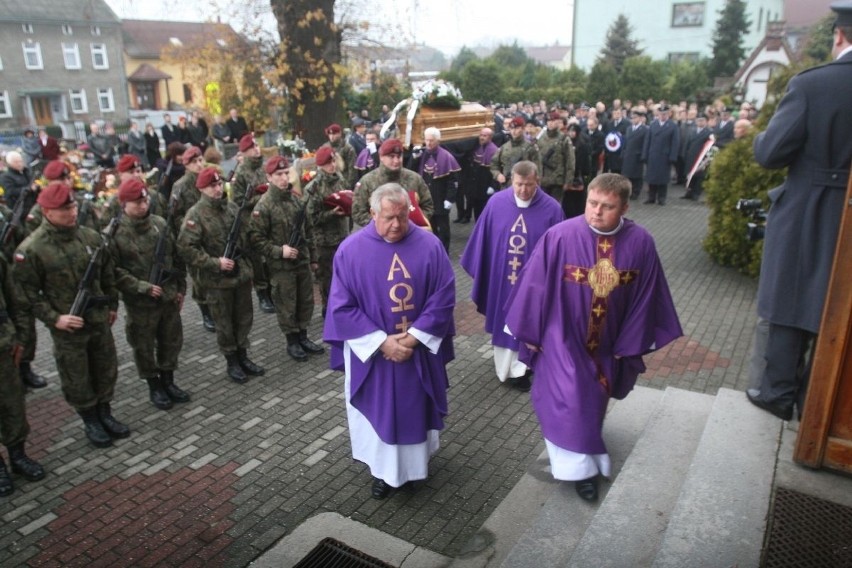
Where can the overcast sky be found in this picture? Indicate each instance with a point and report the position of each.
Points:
(446, 25)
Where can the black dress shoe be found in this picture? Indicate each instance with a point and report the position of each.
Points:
(380, 489)
(30, 377)
(521, 383)
(587, 488)
(782, 412)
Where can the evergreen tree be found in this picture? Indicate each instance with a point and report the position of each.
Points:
(603, 83)
(818, 46)
(465, 56)
(728, 50)
(619, 45)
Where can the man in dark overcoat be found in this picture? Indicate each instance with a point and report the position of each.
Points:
(660, 153)
(631, 153)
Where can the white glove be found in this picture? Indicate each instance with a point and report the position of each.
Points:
(490, 191)
(447, 205)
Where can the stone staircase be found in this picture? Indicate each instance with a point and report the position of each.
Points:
(692, 483)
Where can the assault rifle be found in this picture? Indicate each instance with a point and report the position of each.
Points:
(296, 239)
(161, 183)
(159, 274)
(85, 300)
(232, 245)
(23, 205)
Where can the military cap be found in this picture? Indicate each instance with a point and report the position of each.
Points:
(207, 177)
(247, 142)
(128, 162)
(844, 12)
(131, 190)
(55, 195)
(276, 164)
(56, 169)
(663, 107)
(554, 115)
(324, 155)
(517, 121)
(333, 129)
(191, 153)
(390, 146)
(358, 121)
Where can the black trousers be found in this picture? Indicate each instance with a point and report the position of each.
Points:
(657, 193)
(784, 380)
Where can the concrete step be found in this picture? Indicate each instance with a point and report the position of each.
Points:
(721, 515)
(631, 521)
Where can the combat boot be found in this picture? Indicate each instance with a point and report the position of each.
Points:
(23, 465)
(112, 426)
(167, 378)
(265, 301)
(307, 345)
(248, 365)
(295, 350)
(94, 429)
(235, 371)
(159, 398)
(30, 377)
(6, 487)
(207, 319)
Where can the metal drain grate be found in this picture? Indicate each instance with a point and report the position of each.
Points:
(331, 553)
(808, 532)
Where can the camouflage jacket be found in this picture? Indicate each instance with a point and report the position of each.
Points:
(410, 181)
(186, 195)
(202, 240)
(511, 153)
(87, 215)
(347, 156)
(249, 174)
(13, 321)
(272, 222)
(133, 249)
(329, 229)
(49, 266)
(557, 159)
(157, 205)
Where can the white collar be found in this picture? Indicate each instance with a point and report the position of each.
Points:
(609, 233)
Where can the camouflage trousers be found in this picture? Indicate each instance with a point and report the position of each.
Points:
(13, 418)
(199, 294)
(293, 296)
(155, 332)
(325, 262)
(30, 347)
(87, 364)
(554, 191)
(233, 313)
(258, 266)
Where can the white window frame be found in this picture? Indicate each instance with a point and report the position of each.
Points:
(33, 48)
(78, 95)
(67, 29)
(27, 28)
(72, 50)
(5, 105)
(1, 63)
(106, 93)
(100, 49)
(96, 30)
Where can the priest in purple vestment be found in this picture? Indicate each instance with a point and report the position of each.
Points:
(499, 246)
(390, 325)
(590, 303)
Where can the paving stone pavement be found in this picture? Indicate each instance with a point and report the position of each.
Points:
(217, 481)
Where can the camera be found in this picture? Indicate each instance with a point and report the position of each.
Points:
(756, 214)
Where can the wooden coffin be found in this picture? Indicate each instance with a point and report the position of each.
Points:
(454, 124)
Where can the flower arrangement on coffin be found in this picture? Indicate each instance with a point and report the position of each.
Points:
(437, 93)
(291, 148)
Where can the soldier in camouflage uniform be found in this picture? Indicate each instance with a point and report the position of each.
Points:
(153, 324)
(57, 170)
(329, 226)
(130, 167)
(278, 215)
(48, 265)
(13, 419)
(250, 174)
(390, 171)
(201, 244)
(557, 158)
(517, 149)
(344, 154)
(186, 195)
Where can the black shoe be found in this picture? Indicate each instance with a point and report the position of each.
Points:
(6, 486)
(249, 366)
(112, 426)
(30, 377)
(207, 319)
(587, 488)
(782, 412)
(265, 301)
(294, 349)
(465, 221)
(235, 370)
(661, 202)
(175, 393)
(688, 196)
(94, 429)
(23, 465)
(307, 345)
(521, 383)
(380, 489)
(158, 396)
(457, 220)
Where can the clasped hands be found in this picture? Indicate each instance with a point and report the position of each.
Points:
(399, 347)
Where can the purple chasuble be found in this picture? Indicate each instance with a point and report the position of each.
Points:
(585, 299)
(365, 161)
(483, 154)
(437, 164)
(499, 246)
(392, 287)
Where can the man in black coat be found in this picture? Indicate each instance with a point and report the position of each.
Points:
(691, 154)
(804, 218)
(237, 126)
(725, 129)
(631, 153)
(169, 130)
(660, 153)
(615, 130)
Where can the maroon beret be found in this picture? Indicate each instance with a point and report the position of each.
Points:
(55, 195)
(247, 143)
(276, 163)
(390, 146)
(554, 115)
(517, 121)
(191, 153)
(131, 190)
(207, 177)
(333, 129)
(56, 169)
(127, 163)
(324, 155)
